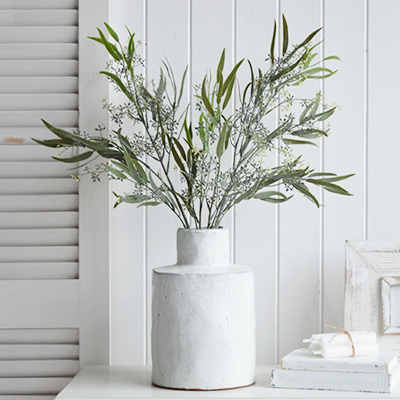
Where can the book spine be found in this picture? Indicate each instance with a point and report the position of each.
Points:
(350, 381)
(332, 366)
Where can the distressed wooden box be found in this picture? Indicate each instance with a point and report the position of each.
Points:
(372, 277)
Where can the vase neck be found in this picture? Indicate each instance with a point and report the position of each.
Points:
(203, 247)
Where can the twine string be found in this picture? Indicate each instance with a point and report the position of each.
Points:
(343, 332)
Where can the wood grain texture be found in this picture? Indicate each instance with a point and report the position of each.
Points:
(366, 263)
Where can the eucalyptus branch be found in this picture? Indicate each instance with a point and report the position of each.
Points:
(165, 139)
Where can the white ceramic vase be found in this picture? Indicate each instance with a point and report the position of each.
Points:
(203, 315)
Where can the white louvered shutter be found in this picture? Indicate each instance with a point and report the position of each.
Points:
(40, 278)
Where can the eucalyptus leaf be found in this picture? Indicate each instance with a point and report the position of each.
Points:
(112, 32)
(272, 49)
(303, 189)
(115, 172)
(272, 197)
(205, 100)
(134, 199)
(96, 39)
(112, 50)
(296, 142)
(310, 133)
(177, 159)
(328, 186)
(149, 203)
(54, 143)
(74, 159)
(231, 77)
(285, 35)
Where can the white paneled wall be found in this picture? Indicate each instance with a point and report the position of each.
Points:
(296, 250)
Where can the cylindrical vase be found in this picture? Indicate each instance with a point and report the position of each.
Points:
(203, 316)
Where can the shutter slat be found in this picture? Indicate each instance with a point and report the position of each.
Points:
(33, 118)
(39, 254)
(35, 4)
(29, 337)
(66, 270)
(31, 203)
(28, 397)
(26, 153)
(63, 51)
(36, 34)
(43, 169)
(25, 102)
(38, 85)
(39, 18)
(14, 136)
(31, 386)
(39, 237)
(18, 220)
(38, 186)
(39, 351)
(38, 368)
(32, 68)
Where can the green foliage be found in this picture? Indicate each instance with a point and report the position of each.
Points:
(164, 140)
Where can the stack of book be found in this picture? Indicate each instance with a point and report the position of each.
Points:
(302, 370)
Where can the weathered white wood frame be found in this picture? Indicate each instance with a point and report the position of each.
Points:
(386, 292)
(372, 268)
(94, 199)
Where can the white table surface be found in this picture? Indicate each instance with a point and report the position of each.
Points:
(134, 382)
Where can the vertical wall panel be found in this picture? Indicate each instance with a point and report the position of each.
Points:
(300, 219)
(343, 216)
(383, 120)
(128, 263)
(255, 237)
(167, 39)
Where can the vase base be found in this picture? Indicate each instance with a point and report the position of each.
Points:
(202, 390)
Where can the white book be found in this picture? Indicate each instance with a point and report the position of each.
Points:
(331, 380)
(302, 359)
